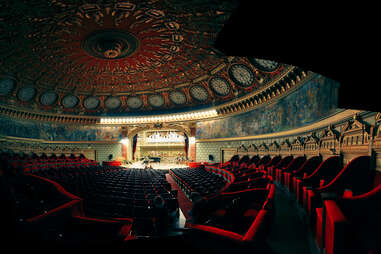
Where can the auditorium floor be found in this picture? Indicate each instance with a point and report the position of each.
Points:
(290, 232)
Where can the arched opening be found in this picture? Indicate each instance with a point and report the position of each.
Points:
(165, 146)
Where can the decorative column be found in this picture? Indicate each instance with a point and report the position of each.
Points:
(192, 145)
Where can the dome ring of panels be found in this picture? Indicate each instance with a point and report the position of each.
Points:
(112, 103)
(91, 102)
(199, 93)
(264, 65)
(220, 86)
(48, 98)
(26, 93)
(241, 74)
(7, 85)
(134, 102)
(156, 100)
(70, 101)
(178, 97)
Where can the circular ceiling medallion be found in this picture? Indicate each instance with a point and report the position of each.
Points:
(264, 65)
(6, 85)
(26, 93)
(178, 97)
(48, 98)
(156, 100)
(134, 102)
(112, 103)
(110, 44)
(220, 86)
(199, 93)
(91, 102)
(241, 75)
(70, 101)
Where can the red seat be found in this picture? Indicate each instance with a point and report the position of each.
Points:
(271, 163)
(326, 171)
(264, 160)
(352, 224)
(257, 230)
(253, 161)
(295, 164)
(307, 168)
(284, 162)
(355, 175)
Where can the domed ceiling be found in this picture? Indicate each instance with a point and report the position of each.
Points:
(98, 57)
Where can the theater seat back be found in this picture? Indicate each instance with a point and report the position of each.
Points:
(275, 160)
(309, 166)
(356, 175)
(326, 171)
(296, 163)
(254, 160)
(264, 160)
(284, 162)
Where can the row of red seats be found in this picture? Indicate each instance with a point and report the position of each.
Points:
(58, 216)
(343, 202)
(247, 199)
(31, 163)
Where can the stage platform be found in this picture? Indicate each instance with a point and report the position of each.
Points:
(156, 165)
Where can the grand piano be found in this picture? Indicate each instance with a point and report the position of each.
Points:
(150, 159)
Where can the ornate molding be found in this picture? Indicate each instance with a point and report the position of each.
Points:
(242, 149)
(274, 90)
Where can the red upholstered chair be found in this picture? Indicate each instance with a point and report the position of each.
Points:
(275, 160)
(258, 182)
(295, 164)
(230, 163)
(350, 224)
(307, 168)
(326, 171)
(264, 160)
(284, 162)
(253, 161)
(242, 163)
(260, 222)
(249, 175)
(356, 175)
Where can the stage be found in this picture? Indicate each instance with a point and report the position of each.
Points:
(156, 165)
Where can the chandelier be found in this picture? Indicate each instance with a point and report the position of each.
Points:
(169, 137)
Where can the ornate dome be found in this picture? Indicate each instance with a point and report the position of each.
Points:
(121, 57)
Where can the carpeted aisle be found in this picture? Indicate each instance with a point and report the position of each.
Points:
(290, 232)
(184, 203)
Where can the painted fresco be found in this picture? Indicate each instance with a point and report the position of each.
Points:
(57, 132)
(315, 100)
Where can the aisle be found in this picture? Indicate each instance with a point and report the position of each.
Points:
(290, 232)
(184, 203)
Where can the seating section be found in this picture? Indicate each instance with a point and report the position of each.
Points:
(33, 162)
(45, 213)
(241, 209)
(110, 192)
(198, 180)
(341, 202)
(78, 200)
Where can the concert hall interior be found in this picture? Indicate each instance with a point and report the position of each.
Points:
(183, 127)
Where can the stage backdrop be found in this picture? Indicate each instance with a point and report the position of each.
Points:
(316, 99)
